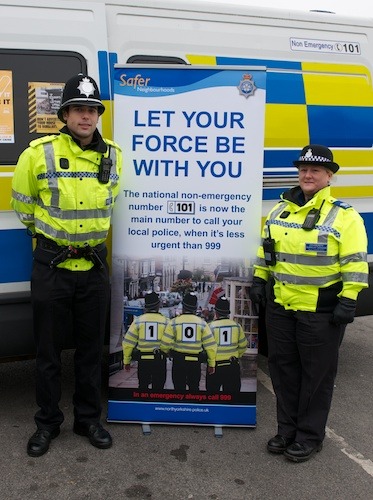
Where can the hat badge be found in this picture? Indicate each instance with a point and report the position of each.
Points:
(86, 87)
(309, 153)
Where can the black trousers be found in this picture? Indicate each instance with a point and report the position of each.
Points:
(151, 371)
(303, 358)
(226, 377)
(61, 300)
(185, 374)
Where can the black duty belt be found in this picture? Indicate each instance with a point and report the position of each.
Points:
(49, 252)
(156, 355)
(185, 356)
(227, 362)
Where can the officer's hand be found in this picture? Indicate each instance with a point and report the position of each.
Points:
(127, 367)
(344, 311)
(211, 370)
(257, 291)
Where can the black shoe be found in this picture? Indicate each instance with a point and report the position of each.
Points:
(39, 442)
(298, 452)
(96, 434)
(278, 444)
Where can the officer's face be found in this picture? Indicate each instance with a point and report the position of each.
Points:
(82, 122)
(313, 178)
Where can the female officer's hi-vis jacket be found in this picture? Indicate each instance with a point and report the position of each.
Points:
(56, 192)
(314, 267)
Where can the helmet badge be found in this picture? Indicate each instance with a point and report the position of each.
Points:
(86, 87)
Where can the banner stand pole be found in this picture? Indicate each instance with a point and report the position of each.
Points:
(146, 430)
(218, 431)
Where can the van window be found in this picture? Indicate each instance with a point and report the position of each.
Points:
(144, 59)
(26, 77)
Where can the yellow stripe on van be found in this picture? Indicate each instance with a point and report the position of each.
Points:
(354, 158)
(329, 84)
(107, 120)
(5, 190)
(335, 68)
(286, 125)
(201, 60)
(344, 192)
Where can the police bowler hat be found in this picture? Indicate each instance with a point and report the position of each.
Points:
(190, 302)
(316, 154)
(222, 306)
(81, 90)
(151, 300)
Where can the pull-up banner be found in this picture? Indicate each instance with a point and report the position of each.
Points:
(188, 213)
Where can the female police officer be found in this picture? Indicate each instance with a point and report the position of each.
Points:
(313, 255)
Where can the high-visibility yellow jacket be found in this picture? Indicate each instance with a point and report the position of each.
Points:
(145, 333)
(56, 192)
(230, 338)
(309, 263)
(189, 334)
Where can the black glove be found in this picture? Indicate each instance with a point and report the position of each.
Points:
(257, 291)
(344, 311)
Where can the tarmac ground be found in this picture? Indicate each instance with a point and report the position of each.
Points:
(189, 462)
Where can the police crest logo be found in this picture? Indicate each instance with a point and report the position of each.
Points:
(246, 86)
(86, 87)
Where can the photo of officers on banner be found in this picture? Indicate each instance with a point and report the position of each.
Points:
(197, 354)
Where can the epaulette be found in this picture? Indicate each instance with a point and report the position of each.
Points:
(112, 143)
(43, 140)
(341, 204)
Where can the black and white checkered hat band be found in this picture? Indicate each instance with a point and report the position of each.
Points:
(317, 159)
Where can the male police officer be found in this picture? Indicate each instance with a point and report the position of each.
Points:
(188, 335)
(64, 188)
(144, 335)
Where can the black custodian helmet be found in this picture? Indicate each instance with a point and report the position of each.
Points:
(82, 90)
(316, 154)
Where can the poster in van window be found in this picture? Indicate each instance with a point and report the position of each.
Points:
(44, 100)
(187, 220)
(6, 107)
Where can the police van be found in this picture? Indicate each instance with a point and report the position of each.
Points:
(319, 90)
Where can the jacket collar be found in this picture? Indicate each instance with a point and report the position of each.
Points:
(295, 195)
(97, 144)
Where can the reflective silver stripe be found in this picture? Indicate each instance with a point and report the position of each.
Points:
(355, 277)
(274, 214)
(354, 257)
(306, 280)
(260, 262)
(51, 168)
(208, 344)
(308, 260)
(281, 208)
(113, 174)
(59, 213)
(329, 221)
(113, 156)
(130, 342)
(23, 198)
(25, 217)
(72, 238)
